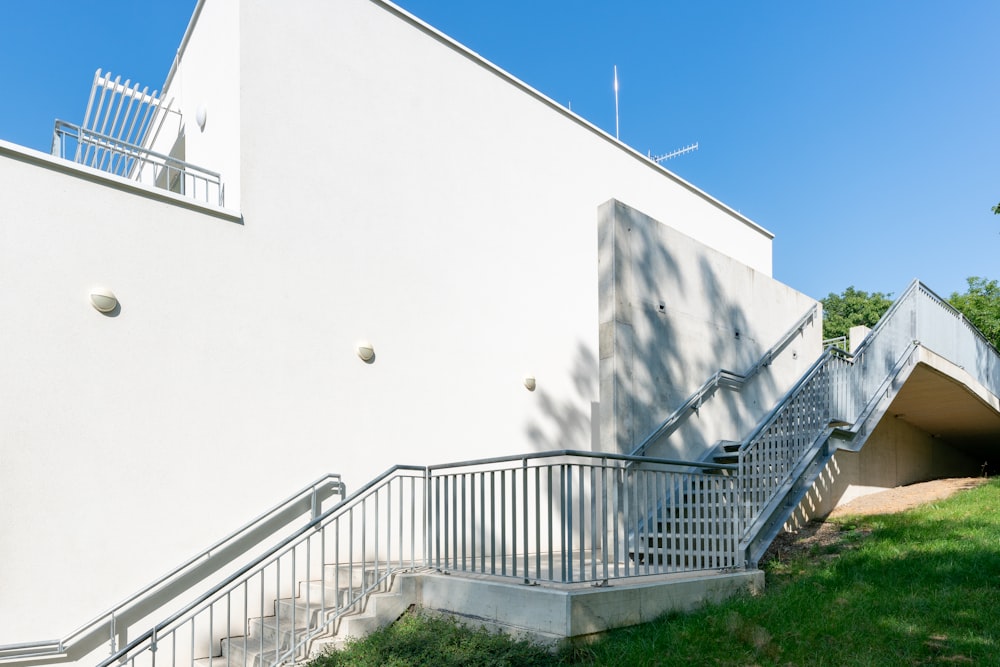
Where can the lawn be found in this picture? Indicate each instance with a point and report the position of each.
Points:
(915, 588)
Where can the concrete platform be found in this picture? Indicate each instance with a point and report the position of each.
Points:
(549, 613)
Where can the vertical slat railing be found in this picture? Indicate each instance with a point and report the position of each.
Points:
(841, 388)
(269, 611)
(575, 517)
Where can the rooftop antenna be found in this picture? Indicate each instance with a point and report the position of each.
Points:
(659, 159)
(616, 104)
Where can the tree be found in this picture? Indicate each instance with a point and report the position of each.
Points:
(996, 210)
(981, 305)
(852, 308)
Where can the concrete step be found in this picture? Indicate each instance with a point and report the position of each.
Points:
(357, 576)
(381, 609)
(251, 655)
(269, 637)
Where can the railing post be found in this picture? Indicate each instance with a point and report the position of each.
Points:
(524, 516)
(314, 501)
(427, 516)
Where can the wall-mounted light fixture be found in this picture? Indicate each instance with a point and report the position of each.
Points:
(201, 116)
(103, 299)
(529, 383)
(366, 351)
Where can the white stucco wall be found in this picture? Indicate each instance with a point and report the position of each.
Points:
(391, 187)
(206, 76)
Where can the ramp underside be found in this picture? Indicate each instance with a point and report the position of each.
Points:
(942, 399)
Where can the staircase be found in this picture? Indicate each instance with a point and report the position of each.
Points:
(320, 616)
(561, 517)
(836, 404)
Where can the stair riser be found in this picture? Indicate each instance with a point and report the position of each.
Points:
(252, 657)
(344, 575)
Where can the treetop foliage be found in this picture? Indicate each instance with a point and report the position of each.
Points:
(852, 308)
(981, 305)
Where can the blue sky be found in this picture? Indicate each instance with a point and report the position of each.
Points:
(865, 135)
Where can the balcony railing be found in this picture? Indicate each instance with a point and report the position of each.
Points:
(136, 163)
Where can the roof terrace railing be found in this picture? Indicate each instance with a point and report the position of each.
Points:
(118, 157)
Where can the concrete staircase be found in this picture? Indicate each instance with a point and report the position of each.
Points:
(314, 611)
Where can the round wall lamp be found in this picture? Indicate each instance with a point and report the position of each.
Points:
(201, 117)
(366, 351)
(103, 299)
(529, 383)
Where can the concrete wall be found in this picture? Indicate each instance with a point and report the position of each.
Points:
(895, 454)
(392, 187)
(673, 311)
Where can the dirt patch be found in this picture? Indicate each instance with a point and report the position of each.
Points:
(907, 497)
(817, 535)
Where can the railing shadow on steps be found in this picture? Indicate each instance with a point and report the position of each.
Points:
(111, 626)
(560, 518)
(840, 396)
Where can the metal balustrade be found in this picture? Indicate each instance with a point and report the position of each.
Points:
(571, 517)
(563, 517)
(840, 389)
(120, 158)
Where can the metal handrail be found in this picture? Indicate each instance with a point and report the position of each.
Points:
(150, 636)
(579, 453)
(736, 380)
(64, 645)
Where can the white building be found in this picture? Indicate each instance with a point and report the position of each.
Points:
(447, 213)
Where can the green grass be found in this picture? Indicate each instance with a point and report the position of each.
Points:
(419, 639)
(917, 588)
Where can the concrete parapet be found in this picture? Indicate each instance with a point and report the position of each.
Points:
(551, 613)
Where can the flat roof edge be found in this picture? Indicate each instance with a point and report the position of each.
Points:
(538, 95)
(46, 161)
(518, 83)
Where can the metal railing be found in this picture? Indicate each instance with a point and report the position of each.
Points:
(560, 517)
(579, 517)
(268, 611)
(841, 388)
(557, 517)
(109, 625)
(720, 378)
(121, 158)
(839, 342)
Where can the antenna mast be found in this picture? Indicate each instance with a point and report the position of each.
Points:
(616, 104)
(658, 159)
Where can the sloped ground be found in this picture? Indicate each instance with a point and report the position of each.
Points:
(819, 534)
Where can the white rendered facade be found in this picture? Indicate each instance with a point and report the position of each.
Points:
(382, 183)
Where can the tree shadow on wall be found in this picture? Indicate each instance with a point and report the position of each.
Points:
(566, 421)
(674, 312)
